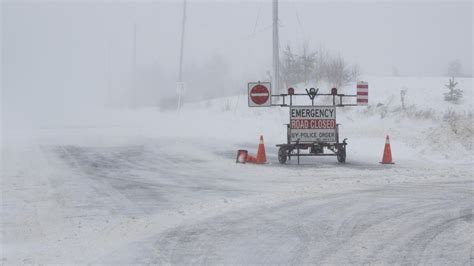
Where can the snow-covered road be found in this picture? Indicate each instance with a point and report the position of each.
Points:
(184, 200)
(396, 224)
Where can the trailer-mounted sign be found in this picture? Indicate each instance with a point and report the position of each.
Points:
(313, 123)
(259, 94)
(312, 126)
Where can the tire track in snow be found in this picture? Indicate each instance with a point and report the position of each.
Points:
(332, 230)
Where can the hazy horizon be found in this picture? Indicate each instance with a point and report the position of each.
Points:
(81, 52)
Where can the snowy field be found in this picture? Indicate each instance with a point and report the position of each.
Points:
(143, 186)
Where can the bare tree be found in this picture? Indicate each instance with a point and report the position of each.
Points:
(335, 71)
(455, 69)
(395, 71)
(321, 65)
(289, 67)
(354, 72)
(307, 59)
(322, 58)
(339, 73)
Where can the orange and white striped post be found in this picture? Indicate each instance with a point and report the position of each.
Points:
(362, 93)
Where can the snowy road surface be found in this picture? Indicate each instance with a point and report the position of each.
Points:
(394, 224)
(186, 201)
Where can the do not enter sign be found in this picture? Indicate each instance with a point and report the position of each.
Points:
(259, 94)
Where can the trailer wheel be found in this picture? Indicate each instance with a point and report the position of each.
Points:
(341, 155)
(282, 155)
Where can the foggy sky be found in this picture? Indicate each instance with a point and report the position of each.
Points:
(68, 48)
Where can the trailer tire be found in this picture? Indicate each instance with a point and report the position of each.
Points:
(341, 155)
(282, 155)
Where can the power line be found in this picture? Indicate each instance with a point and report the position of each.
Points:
(256, 20)
(299, 20)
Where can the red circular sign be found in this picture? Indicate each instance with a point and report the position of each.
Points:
(259, 94)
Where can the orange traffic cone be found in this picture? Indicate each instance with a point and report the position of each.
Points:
(261, 156)
(387, 153)
(251, 159)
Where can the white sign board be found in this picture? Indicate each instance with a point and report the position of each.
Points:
(313, 123)
(259, 94)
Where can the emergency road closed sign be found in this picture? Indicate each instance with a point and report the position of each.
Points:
(313, 123)
(259, 94)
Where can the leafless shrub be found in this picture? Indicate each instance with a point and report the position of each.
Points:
(308, 65)
(455, 69)
(461, 124)
(420, 114)
(338, 73)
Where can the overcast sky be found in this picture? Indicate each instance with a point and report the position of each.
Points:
(74, 46)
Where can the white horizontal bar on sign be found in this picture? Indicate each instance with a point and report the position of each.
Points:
(260, 94)
(363, 89)
(362, 97)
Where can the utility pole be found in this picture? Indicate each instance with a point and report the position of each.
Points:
(108, 70)
(134, 70)
(180, 85)
(276, 54)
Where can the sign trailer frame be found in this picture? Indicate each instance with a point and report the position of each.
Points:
(315, 146)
